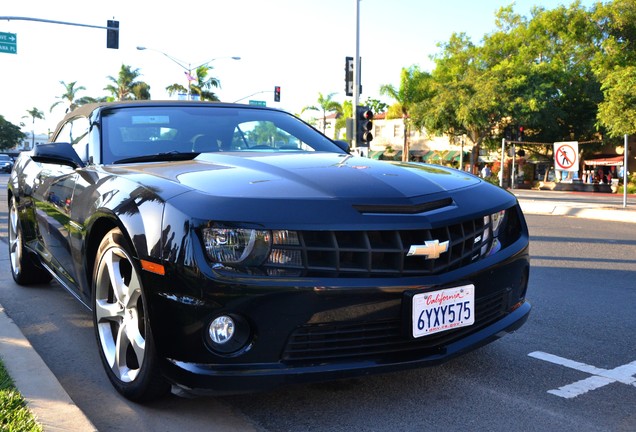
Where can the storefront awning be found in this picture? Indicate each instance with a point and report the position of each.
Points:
(607, 161)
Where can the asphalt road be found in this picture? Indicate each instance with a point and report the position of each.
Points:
(571, 367)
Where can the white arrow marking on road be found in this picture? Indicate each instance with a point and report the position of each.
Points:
(600, 377)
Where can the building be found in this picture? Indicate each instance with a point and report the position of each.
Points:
(29, 141)
(388, 141)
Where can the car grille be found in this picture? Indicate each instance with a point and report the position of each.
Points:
(381, 253)
(354, 341)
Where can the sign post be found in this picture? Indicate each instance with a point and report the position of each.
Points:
(8, 43)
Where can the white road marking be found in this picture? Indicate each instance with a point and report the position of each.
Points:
(625, 374)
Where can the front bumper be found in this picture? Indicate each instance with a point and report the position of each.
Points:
(360, 328)
(205, 379)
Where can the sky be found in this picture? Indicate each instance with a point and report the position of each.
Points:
(299, 45)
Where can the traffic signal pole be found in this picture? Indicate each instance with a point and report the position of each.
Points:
(356, 77)
(112, 27)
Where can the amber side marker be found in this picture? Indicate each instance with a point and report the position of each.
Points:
(153, 267)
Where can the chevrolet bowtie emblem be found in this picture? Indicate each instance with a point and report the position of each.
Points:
(431, 249)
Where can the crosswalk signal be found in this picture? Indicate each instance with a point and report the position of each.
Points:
(112, 34)
(364, 125)
(277, 94)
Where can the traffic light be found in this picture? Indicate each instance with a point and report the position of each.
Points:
(112, 34)
(520, 133)
(277, 94)
(364, 125)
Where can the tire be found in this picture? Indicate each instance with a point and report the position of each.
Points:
(120, 319)
(23, 267)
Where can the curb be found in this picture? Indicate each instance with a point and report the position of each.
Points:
(52, 407)
(612, 214)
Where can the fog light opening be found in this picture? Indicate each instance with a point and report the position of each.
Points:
(222, 329)
(229, 335)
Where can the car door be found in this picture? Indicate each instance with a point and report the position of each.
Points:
(53, 193)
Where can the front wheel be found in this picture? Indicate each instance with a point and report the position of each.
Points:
(121, 322)
(23, 267)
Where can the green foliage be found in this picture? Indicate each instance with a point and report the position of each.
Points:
(69, 97)
(126, 86)
(375, 105)
(615, 66)
(10, 134)
(325, 105)
(533, 72)
(14, 415)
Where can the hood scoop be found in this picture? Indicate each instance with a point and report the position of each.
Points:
(403, 209)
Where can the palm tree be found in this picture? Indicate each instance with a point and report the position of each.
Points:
(412, 90)
(201, 87)
(124, 87)
(204, 84)
(325, 104)
(34, 114)
(176, 88)
(70, 97)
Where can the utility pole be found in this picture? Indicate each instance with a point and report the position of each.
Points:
(356, 76)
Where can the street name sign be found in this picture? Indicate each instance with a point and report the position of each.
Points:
(257, 102)
(8, 43)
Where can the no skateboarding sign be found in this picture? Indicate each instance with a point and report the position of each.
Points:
(566, 156)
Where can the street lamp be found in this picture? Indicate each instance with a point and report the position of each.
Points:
(188, 69)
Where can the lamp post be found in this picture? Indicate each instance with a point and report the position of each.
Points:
(188, 69)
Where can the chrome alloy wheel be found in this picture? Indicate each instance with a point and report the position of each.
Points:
(15, 239)
(120, 314)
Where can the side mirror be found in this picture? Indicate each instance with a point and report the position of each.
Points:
(343, 145)
(57, 153)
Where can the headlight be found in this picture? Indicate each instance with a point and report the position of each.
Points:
(250, 247)
(492, 227)
(237, 246)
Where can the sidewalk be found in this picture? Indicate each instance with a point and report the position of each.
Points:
(46, 398)
(56, 411)
(586, 210)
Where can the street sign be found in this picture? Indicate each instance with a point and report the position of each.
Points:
(8, 43)
(257, 103)
(349, 76)
(566, 156)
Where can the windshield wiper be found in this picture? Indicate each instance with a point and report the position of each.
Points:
(160, 157)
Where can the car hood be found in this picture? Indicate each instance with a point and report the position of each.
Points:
(307, 176)
(315, 190)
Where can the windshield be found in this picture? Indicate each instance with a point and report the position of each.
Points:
(134, 132)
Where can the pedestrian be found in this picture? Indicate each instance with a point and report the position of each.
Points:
(485, 171)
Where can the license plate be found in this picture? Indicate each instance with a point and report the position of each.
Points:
(442, 310)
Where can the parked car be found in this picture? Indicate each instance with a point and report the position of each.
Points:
(6, 163)
(231, 248)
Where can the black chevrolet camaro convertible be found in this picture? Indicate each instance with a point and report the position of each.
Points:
(227, 248)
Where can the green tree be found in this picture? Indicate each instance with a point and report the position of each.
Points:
(375, 105)
(465, 97)
(205, 84)
(70, 99)
(10, 134)
(555, 92)
(200, 86)
(615, 66)
(341, 120)
(326, 104)
(176, 88)
(266, 133)
(414, 88)
(125, 86)
(533, 73)
(34, 114)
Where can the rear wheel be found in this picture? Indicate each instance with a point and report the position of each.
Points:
(121, 322)
(23, 267)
